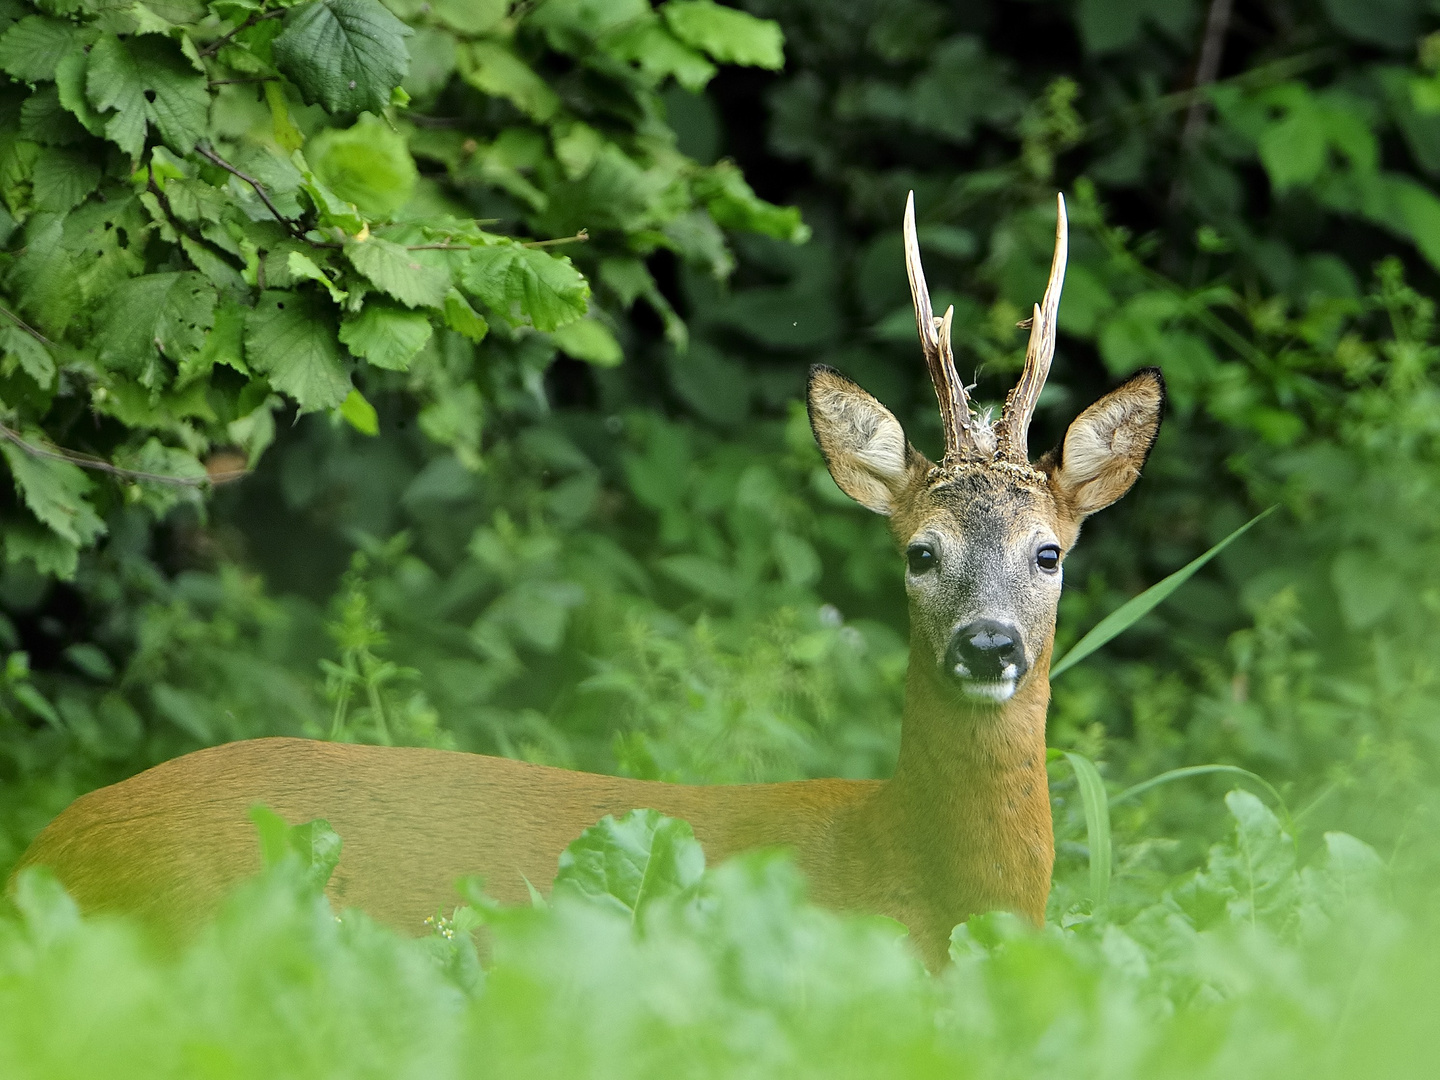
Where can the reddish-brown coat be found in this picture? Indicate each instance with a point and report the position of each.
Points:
(964, 826)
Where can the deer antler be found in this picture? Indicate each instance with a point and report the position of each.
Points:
(939, 356)
(1014, 426)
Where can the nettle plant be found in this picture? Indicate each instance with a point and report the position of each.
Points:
(214, 214)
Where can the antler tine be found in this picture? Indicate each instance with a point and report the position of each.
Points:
(1020, 405)
(935, 341)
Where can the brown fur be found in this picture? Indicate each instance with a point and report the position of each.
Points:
(963, 826)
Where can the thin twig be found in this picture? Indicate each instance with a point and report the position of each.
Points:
(219, 43)
(210, 155)
(1217, 25)
(87, 461)
(579, 238)
(23, 325)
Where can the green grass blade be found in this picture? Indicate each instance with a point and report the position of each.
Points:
(1206, 770)
(1097, 824)
(1135, 609)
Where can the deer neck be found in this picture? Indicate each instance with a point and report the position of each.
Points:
(964, 825)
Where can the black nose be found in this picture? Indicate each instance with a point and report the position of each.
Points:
(986, 651)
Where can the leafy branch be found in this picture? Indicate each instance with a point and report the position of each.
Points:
(99, 464)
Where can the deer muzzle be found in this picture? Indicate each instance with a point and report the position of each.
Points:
(986, 660)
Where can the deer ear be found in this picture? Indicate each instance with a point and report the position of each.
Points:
(864, 446)
(1107, 445)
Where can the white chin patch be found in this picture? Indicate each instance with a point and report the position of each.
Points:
(1003, 690)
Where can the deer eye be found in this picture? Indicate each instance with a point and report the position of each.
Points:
(921, 558)
(1048, 558)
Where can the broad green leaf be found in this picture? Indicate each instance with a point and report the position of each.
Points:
(290, 338)
(345, 54)
(368, 164)
(360, 414)
(727, 35)
(470, 17)
(589, 340)
(49, 913)
(1254, 873)
(526, 282)
(310, 851)
(1135, 609)
(660, 54)
(495, 70)
(44, 276)
(303, 268)
(287, 135)
(156, 458)
(50, 554)
(462, 318)
(63, 178)
(32, 357)
(56, 492)
(395, 271)
(145, 81)
(734, 205)
(70, 86)
(385, 335)
(154, 315)
(32, 47)
(627, 863)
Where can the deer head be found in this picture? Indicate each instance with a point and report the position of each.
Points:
(984, 532)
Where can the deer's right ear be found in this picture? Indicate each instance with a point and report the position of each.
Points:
(864, 446)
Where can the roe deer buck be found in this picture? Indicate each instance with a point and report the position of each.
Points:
(963, 827)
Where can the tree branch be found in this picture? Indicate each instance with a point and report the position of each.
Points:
(87, 461)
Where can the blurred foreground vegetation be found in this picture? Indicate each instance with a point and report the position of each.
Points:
(506, 328)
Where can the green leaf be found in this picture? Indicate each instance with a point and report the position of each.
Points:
(290, 338)
(51, 555)
(156, 315)
(33, 358)
(310, 851)
(660, 54)
(1204, 770)
(385, 335)
(63, 178)
(589, 340)
(1135, 609)
(156, 458)
(70, 85)
(628, 863)
(470, 17)
(345, 54)
(57, 492)
(32, 47)
(495, 70)
(303, 268)
(526, 282)
(734, 205)
(396, 271)
(360, 414)
(1097, 824)
(368, 164)
(727, 35)
(462, 318)
(1255, 872)
(146, 80)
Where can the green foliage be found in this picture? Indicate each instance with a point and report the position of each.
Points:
(733, 973)
(539, 366)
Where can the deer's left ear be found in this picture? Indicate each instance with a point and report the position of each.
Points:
(1107, 445)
